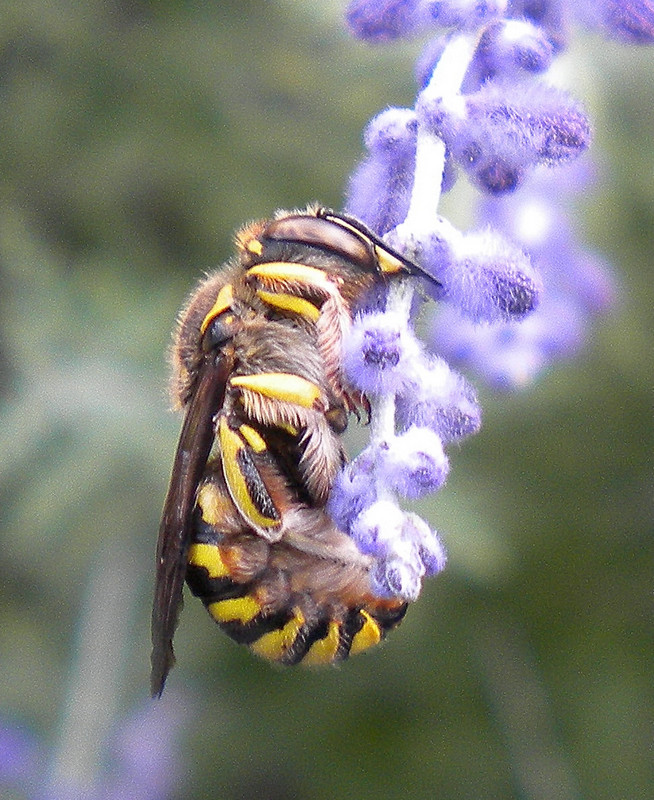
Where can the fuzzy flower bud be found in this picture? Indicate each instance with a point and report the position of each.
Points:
(482, 273)
(414, 551)
(353, 490)
(630, 21)
(429, 546)
(382, 531)
(438, 398)
(490, 278)
(380, 188)
(385, 20)
(552, 16)
(511, 48)
(577, 286)
(465, 14)
(378, 528)
(413, 463)
(377, 352)
(499, 132)
(395, 577)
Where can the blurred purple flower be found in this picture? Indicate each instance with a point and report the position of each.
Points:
(577, 287)
(141, 760)
(20, 756)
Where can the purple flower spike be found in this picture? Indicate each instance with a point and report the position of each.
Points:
(513, 294)
(414, 463)
(377, 352)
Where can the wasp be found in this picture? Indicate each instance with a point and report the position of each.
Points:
(257, 371)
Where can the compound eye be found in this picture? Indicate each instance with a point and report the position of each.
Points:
(329, 234)
(219, 331)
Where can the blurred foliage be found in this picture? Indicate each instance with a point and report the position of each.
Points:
(134, 138)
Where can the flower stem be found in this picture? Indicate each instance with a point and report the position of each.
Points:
(422, 216)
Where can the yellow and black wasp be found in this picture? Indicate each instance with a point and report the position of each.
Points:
(257, 370)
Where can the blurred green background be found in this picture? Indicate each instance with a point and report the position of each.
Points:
(134, 138)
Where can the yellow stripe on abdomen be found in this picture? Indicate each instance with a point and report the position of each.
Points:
(274, 645)
(237, 609)
(324, 651)
(210, 558)
(369, 635)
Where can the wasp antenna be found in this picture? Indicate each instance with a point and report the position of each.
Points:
(390, 260)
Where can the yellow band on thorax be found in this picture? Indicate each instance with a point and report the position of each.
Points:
(290, 272)
(290, 303)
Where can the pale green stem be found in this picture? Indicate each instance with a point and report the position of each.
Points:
(95, 675)
(423, 206)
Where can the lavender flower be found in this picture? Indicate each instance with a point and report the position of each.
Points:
(440, 399)
(378, 351)
(413, 463)
(513, 294)
(380, 188)
(502, 130)
(383, 20)
(405, 548)
(510, 48)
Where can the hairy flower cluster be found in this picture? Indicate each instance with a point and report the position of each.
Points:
(431, 406)
(513, 293)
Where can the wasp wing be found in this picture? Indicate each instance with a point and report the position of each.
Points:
(195, 443)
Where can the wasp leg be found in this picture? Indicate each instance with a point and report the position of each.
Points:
(255, 486)
(280, 400)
